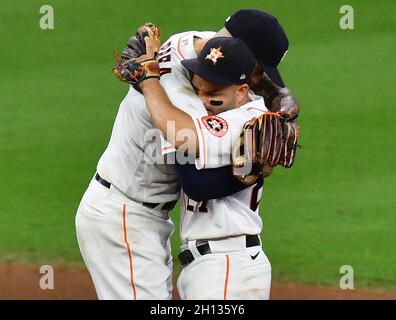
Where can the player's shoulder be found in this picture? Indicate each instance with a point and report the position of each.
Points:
(182, 44)
(178, 37)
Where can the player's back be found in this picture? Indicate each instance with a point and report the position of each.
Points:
(132, 161)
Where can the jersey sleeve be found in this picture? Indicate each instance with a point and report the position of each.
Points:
(166, 147)
(202, 185)
(218, 134)
(180, 92)
(175, 79)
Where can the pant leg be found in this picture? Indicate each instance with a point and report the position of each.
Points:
(124, 248)
(222, 276)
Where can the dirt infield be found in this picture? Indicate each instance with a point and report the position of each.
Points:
(17, 282)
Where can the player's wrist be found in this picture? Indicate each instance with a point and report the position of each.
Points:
(149, 83)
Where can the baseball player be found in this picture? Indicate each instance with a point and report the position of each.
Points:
(123, 225)
(222, 232)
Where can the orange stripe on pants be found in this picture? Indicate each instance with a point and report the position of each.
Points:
(226, 277)
(129, 251)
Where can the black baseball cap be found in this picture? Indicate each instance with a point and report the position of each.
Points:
(264, 35)
(223, 61)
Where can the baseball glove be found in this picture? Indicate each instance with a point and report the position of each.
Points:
(136, 45)
(133, 72)
(291, 130)
(267, 141)
(281, 100)
(260, 144)
(135, 64)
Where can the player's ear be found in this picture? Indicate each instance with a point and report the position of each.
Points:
(242, 93)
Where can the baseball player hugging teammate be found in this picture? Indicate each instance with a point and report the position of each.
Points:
(123, 224)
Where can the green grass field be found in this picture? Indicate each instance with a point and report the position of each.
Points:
(335, 207)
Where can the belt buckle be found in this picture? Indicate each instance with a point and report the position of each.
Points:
(185, 257)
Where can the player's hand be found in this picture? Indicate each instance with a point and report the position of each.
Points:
(153, 43)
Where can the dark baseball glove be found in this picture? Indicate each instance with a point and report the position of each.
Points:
(136, 45)
(265, 142)
(134, 71)
(135, 64)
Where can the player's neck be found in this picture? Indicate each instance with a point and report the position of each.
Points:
(199, 44)
(244, 101)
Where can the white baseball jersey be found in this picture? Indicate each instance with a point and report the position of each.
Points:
(233, 215)
(217, 134)
(132, 161)
(233, 271)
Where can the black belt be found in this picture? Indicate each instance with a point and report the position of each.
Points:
(186, 256)
(165, 206)
(103, 182)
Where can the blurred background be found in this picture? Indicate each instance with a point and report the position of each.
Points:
(335, 207)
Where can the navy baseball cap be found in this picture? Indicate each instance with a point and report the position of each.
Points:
(223, 61)
(264, 36)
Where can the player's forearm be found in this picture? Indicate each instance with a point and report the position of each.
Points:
(177, 126)
(276, 98)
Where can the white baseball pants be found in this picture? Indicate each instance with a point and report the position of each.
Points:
(125, 246)
(228, 273)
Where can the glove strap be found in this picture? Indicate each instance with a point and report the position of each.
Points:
(151, 69)
(134, 72)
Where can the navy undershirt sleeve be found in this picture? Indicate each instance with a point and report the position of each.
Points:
(206, 184)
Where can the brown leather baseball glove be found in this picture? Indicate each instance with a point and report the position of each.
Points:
(266, 141)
